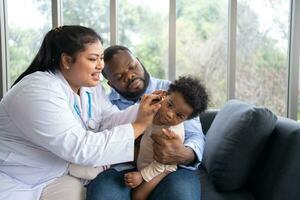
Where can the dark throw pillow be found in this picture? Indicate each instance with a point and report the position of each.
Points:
(234, 142)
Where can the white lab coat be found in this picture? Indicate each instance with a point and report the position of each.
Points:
(40, 134)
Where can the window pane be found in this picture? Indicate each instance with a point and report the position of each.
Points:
(143, 27)
(28, 22)
(201, 44)
(262, 58)
(90, 13)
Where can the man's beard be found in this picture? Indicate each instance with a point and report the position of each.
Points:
(135, 96)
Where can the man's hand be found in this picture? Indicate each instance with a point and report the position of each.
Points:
(169, 149)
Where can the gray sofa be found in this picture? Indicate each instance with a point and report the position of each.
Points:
(275, 174)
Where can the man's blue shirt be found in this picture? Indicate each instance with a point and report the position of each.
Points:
(194, 137)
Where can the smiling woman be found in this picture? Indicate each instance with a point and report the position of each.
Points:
(63, 112)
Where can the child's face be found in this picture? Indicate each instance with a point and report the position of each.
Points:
(173, 111)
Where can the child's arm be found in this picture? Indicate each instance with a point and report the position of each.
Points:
(145, 181)
(155, 168)
(143, 191)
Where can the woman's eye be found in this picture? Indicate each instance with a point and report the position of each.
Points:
(92, 59)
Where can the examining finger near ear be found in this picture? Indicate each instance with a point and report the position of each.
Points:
(156, 108)
(148, 98)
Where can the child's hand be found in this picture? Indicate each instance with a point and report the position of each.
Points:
(133, 179)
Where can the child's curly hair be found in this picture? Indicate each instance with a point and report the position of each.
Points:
(193, 92)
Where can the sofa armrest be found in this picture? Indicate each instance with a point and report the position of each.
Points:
(207, 118)
(277, 174)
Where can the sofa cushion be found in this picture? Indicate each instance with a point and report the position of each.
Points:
(234, 142)
(209, 192)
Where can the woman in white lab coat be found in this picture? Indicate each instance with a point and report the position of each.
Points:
(57, 113)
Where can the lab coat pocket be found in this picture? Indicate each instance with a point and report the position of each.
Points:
(24, 169)
(19, 160)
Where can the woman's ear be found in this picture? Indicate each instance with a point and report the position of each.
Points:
(66, 61)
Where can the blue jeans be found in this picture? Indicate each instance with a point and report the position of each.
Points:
(182, 184)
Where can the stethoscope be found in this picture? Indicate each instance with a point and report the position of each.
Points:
(91, 124)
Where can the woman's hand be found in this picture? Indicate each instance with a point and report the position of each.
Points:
(161, 93)
(149, 105)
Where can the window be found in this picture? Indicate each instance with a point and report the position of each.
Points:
(201, 43)
(90, 13)
(262, 53)
(28, 21)
(143, 27)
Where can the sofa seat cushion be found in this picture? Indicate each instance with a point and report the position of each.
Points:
(209, 191)
(234, 142)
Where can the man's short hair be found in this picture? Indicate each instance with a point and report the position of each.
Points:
(110, 52)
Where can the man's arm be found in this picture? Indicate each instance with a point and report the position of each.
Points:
(195, 140)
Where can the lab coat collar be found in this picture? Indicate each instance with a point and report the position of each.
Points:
(81, 101)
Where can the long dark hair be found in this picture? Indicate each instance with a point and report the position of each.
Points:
(65, 39)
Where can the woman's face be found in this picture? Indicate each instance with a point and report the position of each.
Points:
(173, 111)
(86, 69)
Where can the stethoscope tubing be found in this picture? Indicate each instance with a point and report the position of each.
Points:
(90, 123)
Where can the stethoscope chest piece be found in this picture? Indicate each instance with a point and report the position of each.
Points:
(91, 124)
